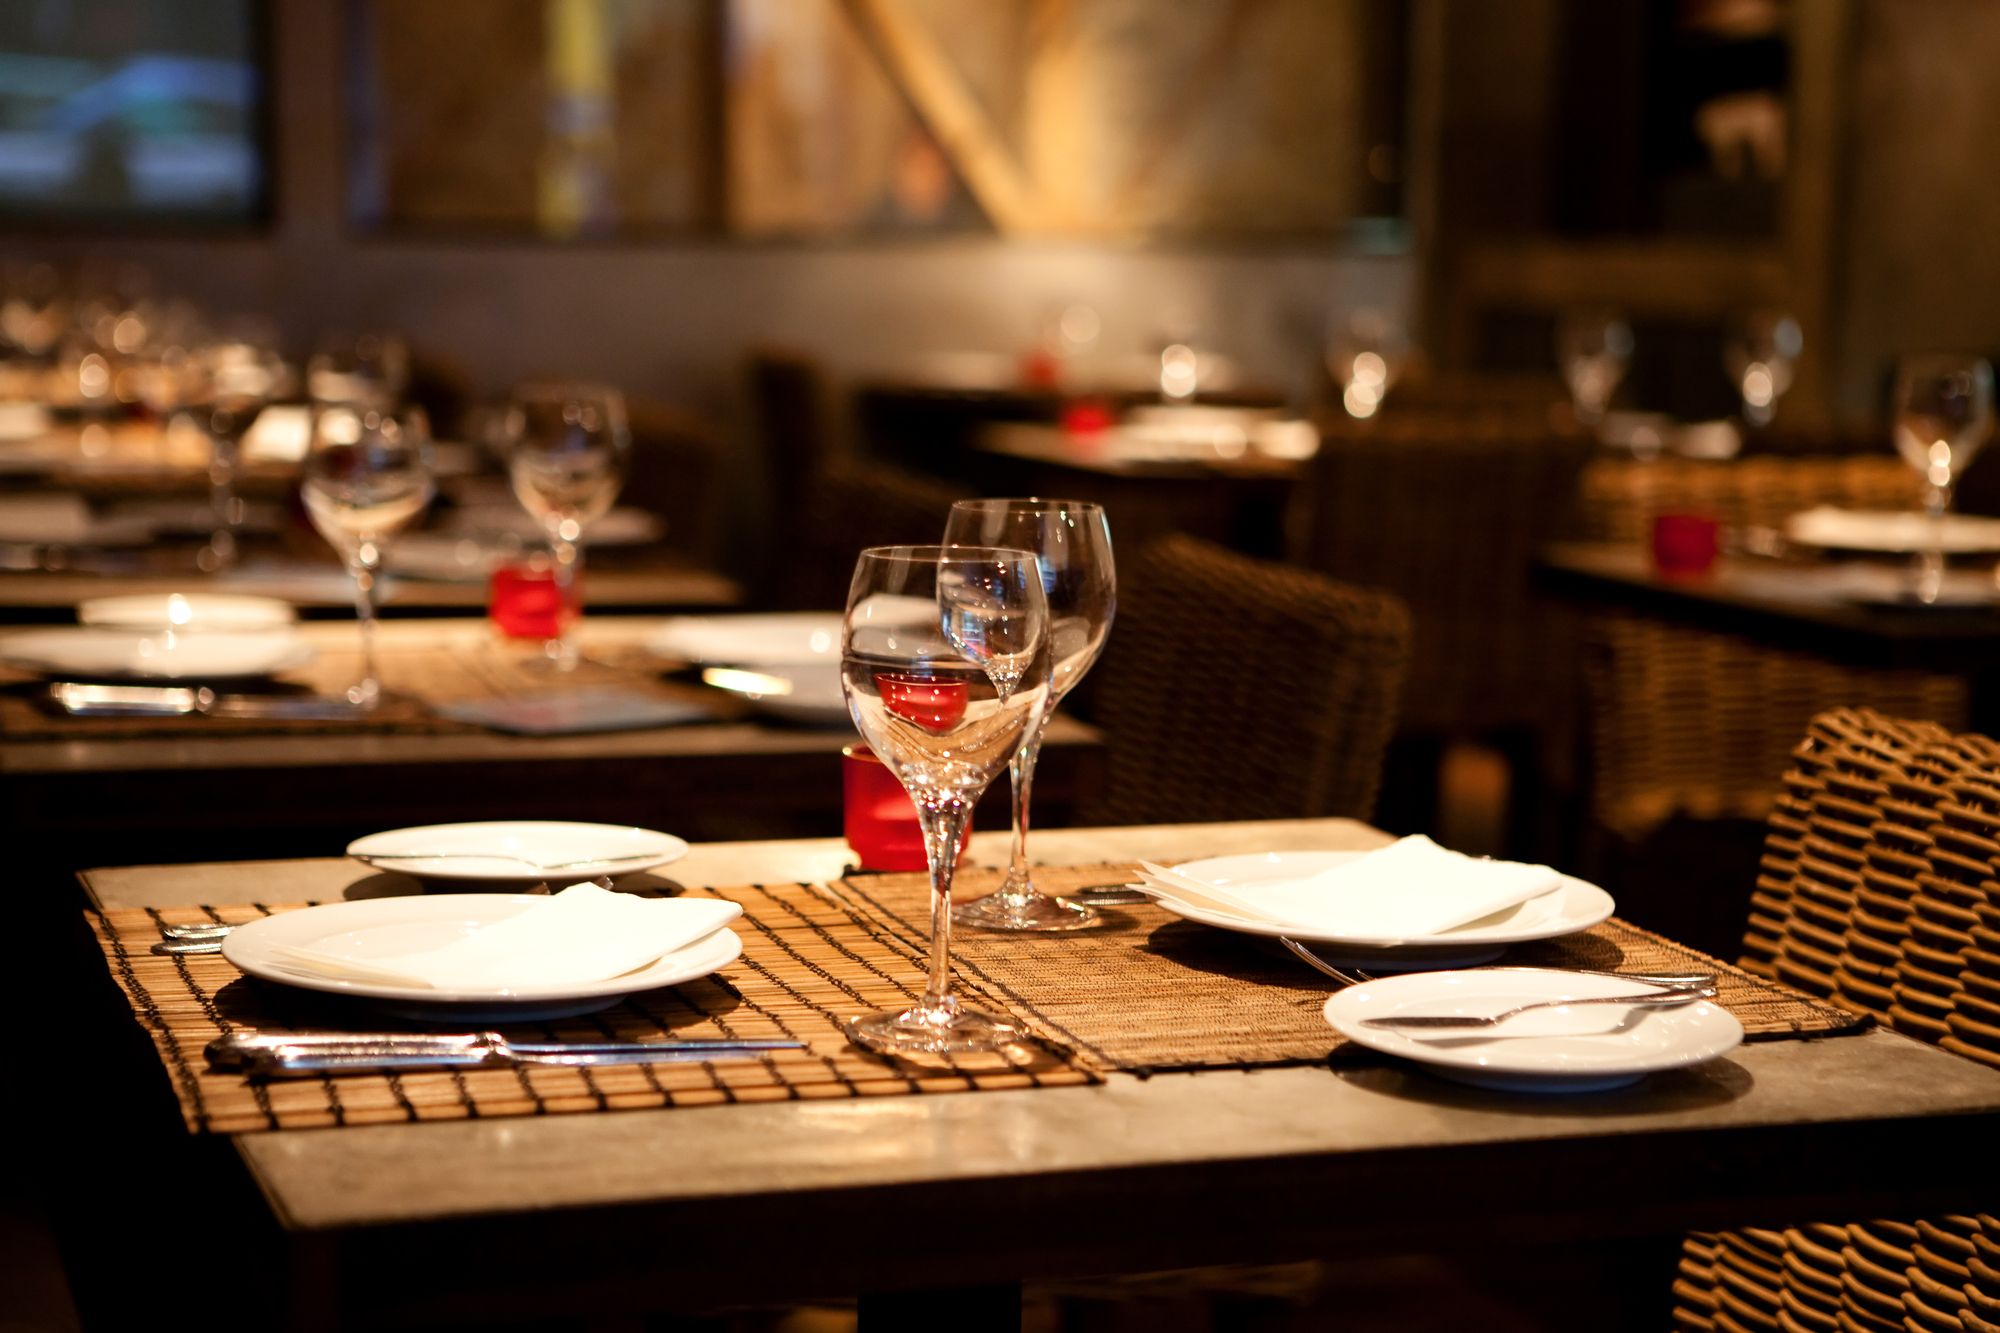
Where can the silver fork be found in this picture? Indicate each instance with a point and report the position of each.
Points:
(1657, 999)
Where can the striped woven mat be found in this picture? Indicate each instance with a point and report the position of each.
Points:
(1147, 993)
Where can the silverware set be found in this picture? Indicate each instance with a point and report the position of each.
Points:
(79, 699)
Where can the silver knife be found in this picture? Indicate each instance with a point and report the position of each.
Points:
(87, 700)
(279, 1055)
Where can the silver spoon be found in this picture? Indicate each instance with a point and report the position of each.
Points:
(1659, 999)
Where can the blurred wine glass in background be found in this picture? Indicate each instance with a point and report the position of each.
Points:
(1593, 347)
(1759, 353)
(367, 476)
(1365, 351)
(570, 447)
(234, 377)
(1944, 412)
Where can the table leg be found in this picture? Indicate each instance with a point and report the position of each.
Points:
(991, 1309)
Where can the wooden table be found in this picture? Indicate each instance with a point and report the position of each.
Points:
(694, 1208)
(211, 793)
(1802, 607)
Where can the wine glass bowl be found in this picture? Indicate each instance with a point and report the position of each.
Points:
(945, 666)
(569, 451)
(1944, 412)
(1592, 348)
(1759, 354)
(233, 378)
(366, 477)
(1071, 543)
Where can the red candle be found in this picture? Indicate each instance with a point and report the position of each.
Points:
(1684, 545)
(524, 603)
(878, 816)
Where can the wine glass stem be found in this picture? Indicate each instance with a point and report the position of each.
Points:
(943, 818)
(368, 690)
(221, 552)
(1930, 559)
(569, 567)
(1019, 884)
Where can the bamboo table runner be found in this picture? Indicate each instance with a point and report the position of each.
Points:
(1146, 994)
(419, 672)
(1152, 993)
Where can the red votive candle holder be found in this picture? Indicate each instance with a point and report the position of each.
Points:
(1685, 545)
(1086, 418)
(524, 602)
(878, 816)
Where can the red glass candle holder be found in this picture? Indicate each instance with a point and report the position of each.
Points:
(1685, 545)
(878, 816)
(524, 602)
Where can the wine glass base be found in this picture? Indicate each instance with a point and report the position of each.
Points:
(921, 1031)
(1024, 911)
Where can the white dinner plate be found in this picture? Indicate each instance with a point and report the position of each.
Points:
(1892, 532)
(187, 610)
(1585, 1049)
(466, 851)
(100, 652)
(379, 927)
(1570, 907)
(786, 639)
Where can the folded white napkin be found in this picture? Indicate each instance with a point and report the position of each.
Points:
(580, 935)
(1411, 888)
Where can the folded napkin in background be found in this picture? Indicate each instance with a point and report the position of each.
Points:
(1411, 888)
(582, 934)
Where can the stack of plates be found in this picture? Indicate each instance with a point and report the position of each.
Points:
(1570, 907)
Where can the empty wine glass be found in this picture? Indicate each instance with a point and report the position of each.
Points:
(569, 451)
(945, 664)
(1759, 354)
(234, 377)
(1944, 411)
(367, 476)
(369, 368)
(1071, 543)
(1364, 353)
(1592, 346)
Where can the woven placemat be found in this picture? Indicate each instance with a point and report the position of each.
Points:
(1151, 993)
(417, 676)
(807, 964)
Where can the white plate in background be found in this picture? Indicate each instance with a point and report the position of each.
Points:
(100, 652)
(468, 851)
(187, 610)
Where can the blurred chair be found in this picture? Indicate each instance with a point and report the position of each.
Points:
(443, 388)
(1446, 509)
(1881, 891)
(849, 506)
(1234, 688)
(676, 473)
(792, 420)
(1686, 731)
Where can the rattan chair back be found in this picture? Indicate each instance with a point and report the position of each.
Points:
(855, 505)
(1235, 688)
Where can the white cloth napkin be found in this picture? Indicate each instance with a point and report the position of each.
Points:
(1409, 889)
(580, 935)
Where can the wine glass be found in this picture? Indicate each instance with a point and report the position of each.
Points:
(1759, 354)
(1944, 411)
(367, 475)
(1364, 352)
(235, 376)
(567, 460)
(944, 660)
(1592, 346)
(1071, 543)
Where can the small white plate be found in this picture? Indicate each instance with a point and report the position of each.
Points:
(467, 851)
(788, 639)
(1586, 1049)
(99, 652)
(378, 927)
(1571, 907)
(187, 610)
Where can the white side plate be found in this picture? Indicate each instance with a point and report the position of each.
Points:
(467, 851)
(187, 610)
(1586, 1049)
(98, 652)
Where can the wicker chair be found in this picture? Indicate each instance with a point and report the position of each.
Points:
(1880, 889)
(1239, 689)
(676, 473)
(1683, 721)
(856, 505)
